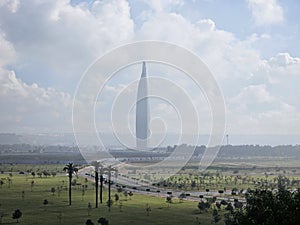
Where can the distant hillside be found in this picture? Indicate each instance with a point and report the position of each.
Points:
(230, 151)
(263, 151)
(10, 139)
(110, 140)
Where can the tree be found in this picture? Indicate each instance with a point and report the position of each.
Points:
(125, 193)
(237, 204)
(148, 209)
(101, 171)
(96, 165)
(203, 206)
(218, 205)
(82, 192)
(23, 194)
(215, 216)
(17, 214)
(71, 169)
(229, 207)
(98, 168)
(117, 197)
(45, 202)
(119, 189)
(46, 173)
(58, 191)
(89, 208)
(169, 200)
(268, 208)
(9, 182)
(130, 194)
(109, 203)
(31, 185)
(103, 221)
(109, 171)
(1, 183)
(89, 222)
(224, 202)
(53, 173)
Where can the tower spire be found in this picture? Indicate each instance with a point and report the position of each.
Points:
(144, 70)
(142, 111)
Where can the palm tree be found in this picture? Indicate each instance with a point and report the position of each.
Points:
(109, 171)
(71, 169)
(102, 171)
(96, 165)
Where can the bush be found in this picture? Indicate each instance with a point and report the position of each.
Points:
(103, 221)
(17, 214)
(89, 222)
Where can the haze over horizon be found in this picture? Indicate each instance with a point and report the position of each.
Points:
(251, 47)
(110, 141)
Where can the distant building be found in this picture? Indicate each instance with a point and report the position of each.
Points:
(142, 112)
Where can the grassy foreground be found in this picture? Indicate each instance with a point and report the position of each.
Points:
(57, 211)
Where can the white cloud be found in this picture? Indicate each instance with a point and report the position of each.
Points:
(250, 94)
(61, 40)
(206, 25)
(284, 120)
(271, 107)
(7, 51)
(12, 5)
(162, 6)
(284, 60)
(29, 108)
(53, 42)
(266, 12)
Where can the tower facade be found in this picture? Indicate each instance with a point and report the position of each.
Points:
(142, 111)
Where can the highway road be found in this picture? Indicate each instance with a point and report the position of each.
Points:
(144, 188)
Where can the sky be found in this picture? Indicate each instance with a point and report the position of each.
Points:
(251, 47)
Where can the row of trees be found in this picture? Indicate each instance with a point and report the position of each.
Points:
(197, 181)
(99, 170)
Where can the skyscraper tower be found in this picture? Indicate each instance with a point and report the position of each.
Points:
(142, 112)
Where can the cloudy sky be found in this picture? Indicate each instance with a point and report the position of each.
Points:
(251, 46)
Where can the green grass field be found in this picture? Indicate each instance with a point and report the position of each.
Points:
(29, 199)
(133, 211)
